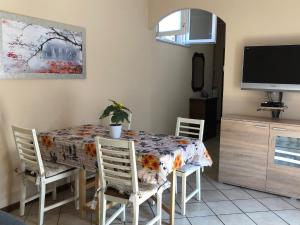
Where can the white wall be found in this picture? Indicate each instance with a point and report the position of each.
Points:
(124, 62)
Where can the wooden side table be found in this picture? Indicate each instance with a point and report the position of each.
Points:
(205, 109)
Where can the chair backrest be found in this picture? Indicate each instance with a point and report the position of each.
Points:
(117, 163)
(28, 149)
(189, 127)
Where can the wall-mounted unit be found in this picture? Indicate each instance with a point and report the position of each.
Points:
(187, 27)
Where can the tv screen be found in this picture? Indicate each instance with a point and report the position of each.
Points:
(272, 68)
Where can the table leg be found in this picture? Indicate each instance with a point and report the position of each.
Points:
(82, 192)
(172, 199)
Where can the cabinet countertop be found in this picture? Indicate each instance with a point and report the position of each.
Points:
(261, 119)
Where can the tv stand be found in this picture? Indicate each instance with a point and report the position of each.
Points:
(273, 104)
(261, 153)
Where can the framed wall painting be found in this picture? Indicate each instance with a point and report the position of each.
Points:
(32, 48)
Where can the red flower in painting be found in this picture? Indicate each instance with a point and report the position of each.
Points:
(12, 55)
(61, 67)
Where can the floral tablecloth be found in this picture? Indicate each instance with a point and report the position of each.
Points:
(157, 154)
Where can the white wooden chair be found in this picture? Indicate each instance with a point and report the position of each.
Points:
(34, 170)
(117, 166)
(192, 128)
(91, 175)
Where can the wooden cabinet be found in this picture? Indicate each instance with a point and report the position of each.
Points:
(283, 172)
(244, 152)
(205, 109)
(261, 153)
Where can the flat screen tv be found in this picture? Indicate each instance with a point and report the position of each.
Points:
(271, 68)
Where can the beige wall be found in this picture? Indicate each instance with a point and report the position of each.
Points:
(250, 22)
(124, 62)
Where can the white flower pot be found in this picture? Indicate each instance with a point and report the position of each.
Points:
(115, 131)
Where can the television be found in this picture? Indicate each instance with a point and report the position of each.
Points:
(271, 68)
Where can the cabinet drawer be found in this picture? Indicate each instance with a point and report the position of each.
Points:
(286, 129)
(243, 153)
(283, 174)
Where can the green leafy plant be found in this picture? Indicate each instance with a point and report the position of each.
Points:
(118, 112)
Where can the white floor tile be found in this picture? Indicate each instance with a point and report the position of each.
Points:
(250, 205)
(259, 194)
(192, 200)
(275, 204)
(223, 207)
(236, 194)
(165, 215)
(73, 218)
(205, 185)
(293, 202)
(198, 209)
(266, 218)
(145, 214)
(216, 197)
(236, 219)
(213, 196)
(221, 186)
(290, 216)
(182, 221)
(207, 220)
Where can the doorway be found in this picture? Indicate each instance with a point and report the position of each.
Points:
(204, 34)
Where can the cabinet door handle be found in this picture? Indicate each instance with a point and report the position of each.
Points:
(279, 129)
(260, 126)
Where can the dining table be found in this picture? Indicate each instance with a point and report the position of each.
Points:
(158, 155)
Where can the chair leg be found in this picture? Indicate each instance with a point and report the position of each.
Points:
(183, 194)
(54, 194)
(124, 213)
(176, 184)
(22, 197)
(198, 183)
(69, 181)
(42, 201)
(77, 191)
(158, 207)
(102, 208)
(136, 209)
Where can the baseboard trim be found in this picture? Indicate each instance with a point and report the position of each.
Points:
(16, 205)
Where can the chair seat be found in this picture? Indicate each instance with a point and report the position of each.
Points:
(115, 193)
(51, 169)
(188, 168)
(145, 190)
(148, 189)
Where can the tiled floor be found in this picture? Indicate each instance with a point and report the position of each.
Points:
(221, 204)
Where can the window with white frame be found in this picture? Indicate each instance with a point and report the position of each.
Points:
(188, 26)
(172, 28)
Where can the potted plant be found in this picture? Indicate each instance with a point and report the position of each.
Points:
(118, 113)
